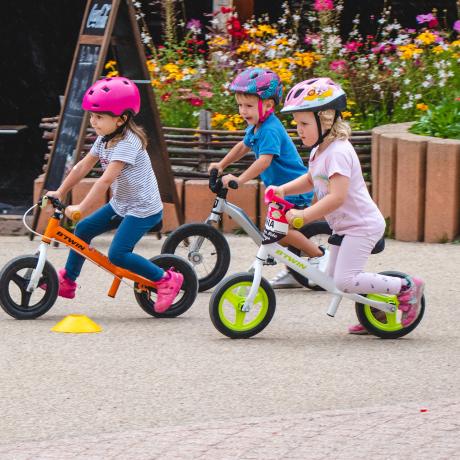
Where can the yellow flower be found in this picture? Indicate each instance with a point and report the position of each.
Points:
(351, 102)
(422, 106)
(346, 114)
(151, 65)
(427, 38)
(305, 59)
(229, 125)
(156, 83)
(113, 73)
(265, 29)
(293, 123)
(110, 64)
(409, 51)
(438, 49)
(282, 41)
(218, 40)
(455, 43)
(248, 47)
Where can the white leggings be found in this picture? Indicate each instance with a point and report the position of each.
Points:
(347, 262)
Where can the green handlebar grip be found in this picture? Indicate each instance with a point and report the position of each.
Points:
(297, 222)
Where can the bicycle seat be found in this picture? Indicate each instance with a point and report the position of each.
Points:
(336, 240)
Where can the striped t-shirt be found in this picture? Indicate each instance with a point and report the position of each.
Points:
(135, 191)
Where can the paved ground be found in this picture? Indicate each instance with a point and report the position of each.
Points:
(146, 388)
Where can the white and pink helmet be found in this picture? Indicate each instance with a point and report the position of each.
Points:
(315, 95)
(115, 96)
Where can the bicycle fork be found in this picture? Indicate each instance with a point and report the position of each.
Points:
(37, 273)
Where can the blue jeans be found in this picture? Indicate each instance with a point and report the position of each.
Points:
(130, 230)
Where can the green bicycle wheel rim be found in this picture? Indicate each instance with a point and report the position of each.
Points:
(392, 324)
(236, 301)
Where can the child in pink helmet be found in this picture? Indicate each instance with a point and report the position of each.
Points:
(257, 92)
(135, 206)
(336, 177)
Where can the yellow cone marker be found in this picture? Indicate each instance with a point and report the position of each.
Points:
(77, 324)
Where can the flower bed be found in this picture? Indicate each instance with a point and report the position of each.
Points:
(394, 75)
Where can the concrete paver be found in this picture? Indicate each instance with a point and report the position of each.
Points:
(303, 388)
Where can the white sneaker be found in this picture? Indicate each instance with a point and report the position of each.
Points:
(320, 262)
(284, 280)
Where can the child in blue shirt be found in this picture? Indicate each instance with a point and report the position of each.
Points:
(257, 91)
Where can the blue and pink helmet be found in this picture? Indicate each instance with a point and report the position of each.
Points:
(263, 83)
(260, 82)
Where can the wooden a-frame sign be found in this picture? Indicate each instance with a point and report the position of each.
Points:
(108, 23)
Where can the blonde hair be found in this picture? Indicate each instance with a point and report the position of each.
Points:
(339, 129)
(136, 129)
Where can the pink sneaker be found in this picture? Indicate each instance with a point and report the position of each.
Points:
(167, 289)
(67, 287)
(358, 329)
(410, 300)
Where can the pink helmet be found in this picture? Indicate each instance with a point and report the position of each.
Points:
(115, 96)
(315, 95)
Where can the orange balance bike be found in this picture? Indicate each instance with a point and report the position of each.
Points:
(29, 284)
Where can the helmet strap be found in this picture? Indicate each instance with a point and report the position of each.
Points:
(263, 116)
(321, 135)
(108, 137)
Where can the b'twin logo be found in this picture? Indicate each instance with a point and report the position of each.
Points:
(70, 240)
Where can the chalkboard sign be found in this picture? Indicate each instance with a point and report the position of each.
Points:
(108, 23)
(98, 16)
(72, 116)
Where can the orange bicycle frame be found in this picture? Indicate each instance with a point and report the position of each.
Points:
(54, 231)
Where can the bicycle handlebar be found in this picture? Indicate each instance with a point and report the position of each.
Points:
(270, 197)
(215, 182)
(75, 216)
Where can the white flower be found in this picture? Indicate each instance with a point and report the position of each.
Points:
(356, 21)
(376, 87)
(296, 17)
(428, 77)
(282, 21)
(371, 76)
(442, 83)
(397, 93)
(425, 84)
(137, 4)
(327, 29)
(417, 97)
(450, 74)
(311, 18)
(339, 7)
(406, 81)
(381, 21)
(196, 113)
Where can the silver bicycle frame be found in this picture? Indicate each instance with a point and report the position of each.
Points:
(221, 205)
(282, 254)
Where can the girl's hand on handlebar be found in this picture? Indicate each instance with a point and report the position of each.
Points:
(278, 191)
(227, 178)
(73, 212)
(55, 194)
(295, 217)
(215, 166)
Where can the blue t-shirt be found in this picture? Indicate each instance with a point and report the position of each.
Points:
(272, 139)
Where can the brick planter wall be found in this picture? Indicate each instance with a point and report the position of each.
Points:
(416, 183)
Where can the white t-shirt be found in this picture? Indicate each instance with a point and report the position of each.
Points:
(358, 215)
(135, 191)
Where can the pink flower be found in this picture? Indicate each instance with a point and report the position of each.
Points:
(422, 18)
(204, 93)
(353, 47)
(322, 5)
(456, 26)
(338, 66)
(196, 101)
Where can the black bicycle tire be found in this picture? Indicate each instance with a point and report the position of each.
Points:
(218, 240)
(189, 287)
(50, 279)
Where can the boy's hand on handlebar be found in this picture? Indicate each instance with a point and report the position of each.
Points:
(215, 166)
(294, 215)
(227, 178)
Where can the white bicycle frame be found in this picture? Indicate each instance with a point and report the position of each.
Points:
(282, 254)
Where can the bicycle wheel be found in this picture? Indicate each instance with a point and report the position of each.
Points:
(14, 279)
(382, 324)
(319, 233)
(186, 295)
(210, 260)
(228, 299)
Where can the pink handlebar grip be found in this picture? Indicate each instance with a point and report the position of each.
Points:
(270, 196)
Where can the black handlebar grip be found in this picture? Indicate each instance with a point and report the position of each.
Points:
(233, 184)
(213, 178)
